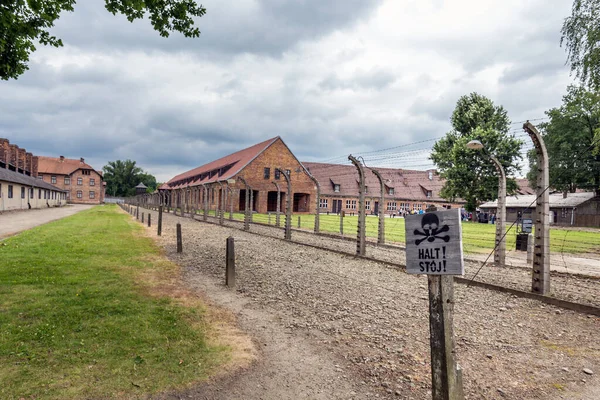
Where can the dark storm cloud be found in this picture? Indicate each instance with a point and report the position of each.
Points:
(267, 27)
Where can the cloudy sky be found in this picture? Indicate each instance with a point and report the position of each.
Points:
(329, 77)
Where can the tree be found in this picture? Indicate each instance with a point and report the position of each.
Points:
(470, 174)
(22, 22)
(122, 177)
(572, 138)
(581, 36)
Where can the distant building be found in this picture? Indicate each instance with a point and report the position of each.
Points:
(257, 165)
(405, 190)
(81, 181)
(566, 209)
(19, 189)
(141, 189)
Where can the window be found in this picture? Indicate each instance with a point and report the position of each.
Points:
(0, 190)
(391, 191)
(323, 203)
(80, 181)
(39, 193)
(22, 192)
(405, 206)
(41, 177)
(267, 173)
(31, 193)
(351, 204)
(79, 194)
(368, 205)
(288, 173)
(85, 172)
(391, 206)
(53, 179)
(92, 182)
(366, 189)
(67, 180)
(429, 194)
(10, 191)
(336, 188)
(92, 194)
(277, 174)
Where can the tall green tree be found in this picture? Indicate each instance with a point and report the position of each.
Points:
(122, 177)
(572, 138)
(470, 174)
(26, 22)
(581, 37)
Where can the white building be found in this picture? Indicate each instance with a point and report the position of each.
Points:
(22, 192)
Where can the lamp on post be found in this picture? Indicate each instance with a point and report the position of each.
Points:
(500, 248)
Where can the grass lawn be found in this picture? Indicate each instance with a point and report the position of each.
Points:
(82, 314)
(477, 238)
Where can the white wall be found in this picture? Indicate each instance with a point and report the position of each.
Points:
(19, 203)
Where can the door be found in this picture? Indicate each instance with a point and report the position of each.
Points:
(376, 208)
(337, 206)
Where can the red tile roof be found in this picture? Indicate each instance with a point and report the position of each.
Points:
(407, 184)
(237, 161)
(524, 187)
(65, 166)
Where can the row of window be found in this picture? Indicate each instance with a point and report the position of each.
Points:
(68, 180)
(49, 195)
(391, 205)
(389, 190)
(276, 173)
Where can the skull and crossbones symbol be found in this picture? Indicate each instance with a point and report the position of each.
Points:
(431, 229)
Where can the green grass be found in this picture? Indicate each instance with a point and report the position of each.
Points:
(477, 238)
(78, 321)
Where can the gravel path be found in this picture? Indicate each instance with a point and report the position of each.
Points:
(14, 222)
(363, 326)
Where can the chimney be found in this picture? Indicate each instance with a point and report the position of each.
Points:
(34, 166)
(4, 143)
(21, 157)
(12, 156)
(28, 157)
(82, 160)
(62, 158)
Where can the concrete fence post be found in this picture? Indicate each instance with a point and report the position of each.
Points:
(361, 231)
(142, 218)
(222, 205)
(541, 258)
(205, 207)
(380, 211)
(288, 205)
(149, 220)
(278, 214)
(317, 203)
(230, 263)
(342, 222)
(247, 204)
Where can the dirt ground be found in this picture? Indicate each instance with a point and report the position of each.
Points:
(336, 327)
(13, 222)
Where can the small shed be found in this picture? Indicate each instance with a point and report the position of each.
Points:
(141, 189)
(566, 209)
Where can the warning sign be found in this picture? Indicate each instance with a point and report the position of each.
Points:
(434, 243)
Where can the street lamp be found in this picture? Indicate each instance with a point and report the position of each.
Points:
(500, 249)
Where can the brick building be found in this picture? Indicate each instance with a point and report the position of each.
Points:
(257, 166)
(405, 190)
(19, 189)
(82, 183)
